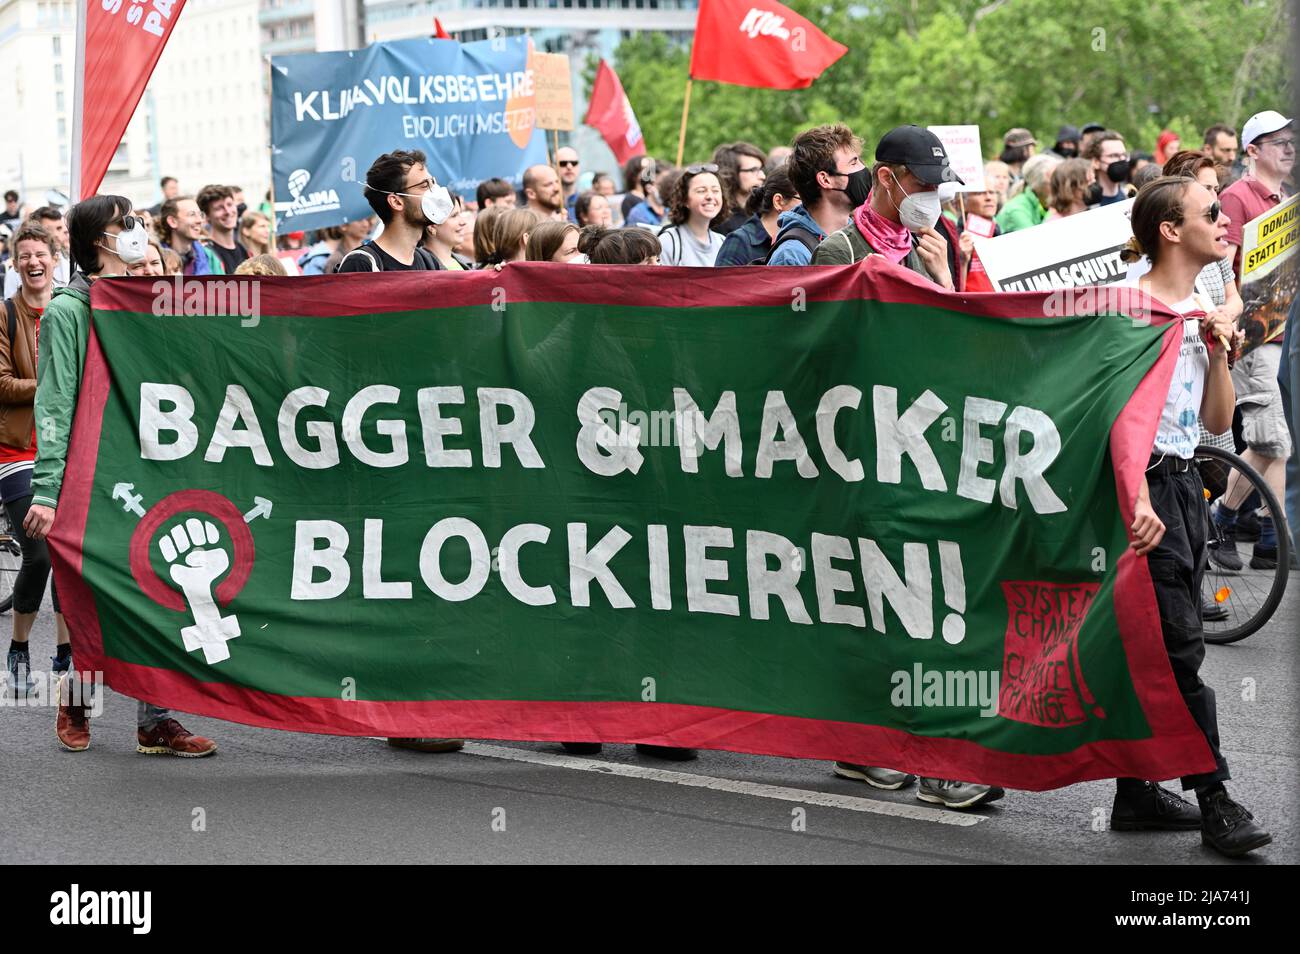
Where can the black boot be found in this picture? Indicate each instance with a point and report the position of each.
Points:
(582, 748)
(1212, 612)
(671, 753)
(1148, 807)
(1227, 827)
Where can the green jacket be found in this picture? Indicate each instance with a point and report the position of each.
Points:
(1021, 212)
(848, 246)
(65, 329)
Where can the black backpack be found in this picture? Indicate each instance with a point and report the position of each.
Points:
(791, 233)
(11, 310)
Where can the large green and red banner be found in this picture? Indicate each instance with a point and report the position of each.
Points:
(823, 513)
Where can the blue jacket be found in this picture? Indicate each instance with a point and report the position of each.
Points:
(748, 243)
(795, 252)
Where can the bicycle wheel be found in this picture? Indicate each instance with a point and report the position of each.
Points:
(1240, 593)
(11, 560)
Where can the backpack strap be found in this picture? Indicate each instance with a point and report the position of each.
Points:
(794, 233)
(370, 257)
(11, 311)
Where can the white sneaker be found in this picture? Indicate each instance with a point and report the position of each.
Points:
(953, 794)
(882, 778)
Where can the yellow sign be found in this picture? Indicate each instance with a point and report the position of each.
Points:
(1267, 290)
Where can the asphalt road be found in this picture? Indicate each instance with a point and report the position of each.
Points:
(270, 796)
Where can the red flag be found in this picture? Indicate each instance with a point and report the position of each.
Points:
(759, 43)
(438, 32)
(118, 45)
(611, 114)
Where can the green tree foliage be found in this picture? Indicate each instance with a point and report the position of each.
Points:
(1139, 66)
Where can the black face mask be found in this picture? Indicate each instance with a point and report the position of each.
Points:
(1067, 151)
(1118, 171)
(859, 186)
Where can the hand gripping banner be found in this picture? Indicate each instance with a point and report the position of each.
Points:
(825, 513)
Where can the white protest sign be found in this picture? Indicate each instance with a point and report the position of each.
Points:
(962, 144)
(1077, 250)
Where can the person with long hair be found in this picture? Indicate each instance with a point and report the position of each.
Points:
(592, 208)
(749, 244)
(510, 232)
(553, 242)
(1068, 188)
(484, 247)
(442, 239)
(1179, 225)
(255, 233)
(105, 238)
(696, 203)
(626, 246)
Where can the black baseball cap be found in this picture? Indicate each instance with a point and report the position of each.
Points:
(920, 150)
(1091, 127)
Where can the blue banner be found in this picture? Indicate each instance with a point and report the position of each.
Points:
(470, 107)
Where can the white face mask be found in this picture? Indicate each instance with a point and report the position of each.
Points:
(435, 204)
(918, 210)
(129, 245)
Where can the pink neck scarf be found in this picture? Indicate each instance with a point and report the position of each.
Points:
(888, 238)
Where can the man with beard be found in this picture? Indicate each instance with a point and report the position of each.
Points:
(407, 200)
(544, 192)
(1110, 162)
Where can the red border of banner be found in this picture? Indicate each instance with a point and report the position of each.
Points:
(1177, 746)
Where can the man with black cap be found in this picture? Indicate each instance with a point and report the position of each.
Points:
(898, 218)
(1067, 143)
(897, 221)
(1017, 146)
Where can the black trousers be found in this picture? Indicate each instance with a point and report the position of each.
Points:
(29, 587)
(1177, 566)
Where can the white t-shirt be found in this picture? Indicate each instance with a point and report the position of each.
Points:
(681, 247)
(1178, 432)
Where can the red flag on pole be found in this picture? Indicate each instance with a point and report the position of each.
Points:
(118, 45)
(759, 43)
(610, 113)
(438, 32)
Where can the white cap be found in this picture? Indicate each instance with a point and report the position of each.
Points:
(1261, 124)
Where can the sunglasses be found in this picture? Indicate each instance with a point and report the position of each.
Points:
(699, 167)
(566, 163)
(129, 222)
(1212, 213)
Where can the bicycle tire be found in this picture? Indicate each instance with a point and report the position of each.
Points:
(1277, 589)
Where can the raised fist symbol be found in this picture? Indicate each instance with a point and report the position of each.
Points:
(195, 562)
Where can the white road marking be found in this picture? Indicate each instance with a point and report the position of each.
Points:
(757, 789)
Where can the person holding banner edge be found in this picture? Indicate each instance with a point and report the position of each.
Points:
(1178, 224)
(104, 239)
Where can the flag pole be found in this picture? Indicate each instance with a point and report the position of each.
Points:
(686, 111)
(78, 110)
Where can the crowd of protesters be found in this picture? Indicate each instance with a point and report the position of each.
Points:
(820, 201)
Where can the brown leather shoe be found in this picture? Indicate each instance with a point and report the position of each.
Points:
(72, 728)
(169, 737)
(428, 745)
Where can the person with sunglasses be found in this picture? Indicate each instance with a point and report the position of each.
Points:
(105, 240)
(407, 200)
(1179, 225)
(569, 167)
(689, 238)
